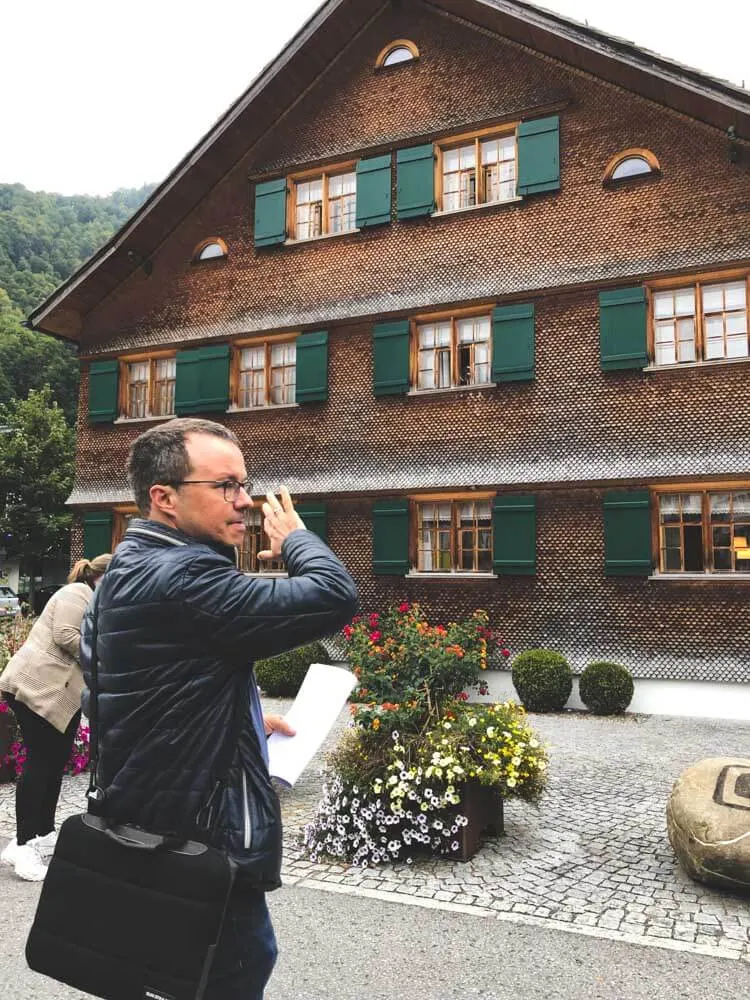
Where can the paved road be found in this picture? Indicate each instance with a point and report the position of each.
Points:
(593, 858)
(336, 946)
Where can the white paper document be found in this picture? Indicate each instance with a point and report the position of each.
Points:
(317, 706)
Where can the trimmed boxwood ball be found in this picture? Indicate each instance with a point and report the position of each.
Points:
(543, 680)
(606, 688)
(281, 676)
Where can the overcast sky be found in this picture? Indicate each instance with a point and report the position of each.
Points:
(99, 95)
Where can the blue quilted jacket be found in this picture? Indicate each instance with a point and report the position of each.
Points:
(178, 629)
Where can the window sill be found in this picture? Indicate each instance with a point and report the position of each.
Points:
(700, 577)
(475, 208)
(145, 420)
(276, 575)
(414, 574)
(263, 409)
(324, 236)
(452, 388)
(696, 364)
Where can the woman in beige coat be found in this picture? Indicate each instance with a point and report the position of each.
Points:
(42, 683)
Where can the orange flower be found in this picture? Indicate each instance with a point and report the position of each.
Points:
(376, 724)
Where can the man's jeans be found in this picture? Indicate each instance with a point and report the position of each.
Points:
(247, 950)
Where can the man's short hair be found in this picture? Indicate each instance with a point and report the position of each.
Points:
(160, 455)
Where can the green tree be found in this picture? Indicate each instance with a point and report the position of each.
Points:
(29, 360)
(37, 449)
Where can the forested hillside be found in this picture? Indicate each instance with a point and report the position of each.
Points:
(44, 238)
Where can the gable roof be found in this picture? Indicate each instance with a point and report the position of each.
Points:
(307, 56)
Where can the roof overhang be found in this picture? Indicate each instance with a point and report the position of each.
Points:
(716, 103)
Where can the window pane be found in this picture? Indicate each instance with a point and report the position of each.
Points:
(210, 250)
(693, 548)
(737, 347)
(720, 506)
(398, 55)
(685, 302)
(692, 506)
(663, 304)
(735, 295)
(450, 161)
(736, 322)
(713, 298)
(631, 167)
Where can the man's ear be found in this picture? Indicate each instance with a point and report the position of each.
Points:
(163, 500)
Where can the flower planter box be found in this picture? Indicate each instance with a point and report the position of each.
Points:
(482, 805)
(7, 734)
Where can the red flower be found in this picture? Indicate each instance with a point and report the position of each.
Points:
(356, 618)
(374, 619)
(505, 653)
(374, 636)
(347, 630)
(440, 630)
(404, 607)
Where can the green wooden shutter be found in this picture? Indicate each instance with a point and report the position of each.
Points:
(97, 533)
(315, 517)
(513, 343)
(103, 391)
(373, 191)
(514, 535)
(270, 213)
(627, 533)
(539, 155)
(202, 380)
(390, 537)
(416, 182)
(622, 329)
(390, 358)
(312, 367)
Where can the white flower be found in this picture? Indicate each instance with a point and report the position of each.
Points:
(516, 761)
(533, 744)
(511, 782)
(490, 731)
(472, 721)
(447, 725)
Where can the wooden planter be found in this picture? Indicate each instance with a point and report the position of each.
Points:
(7, 735)
(482, 805)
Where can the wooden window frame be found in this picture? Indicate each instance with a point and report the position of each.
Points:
(268, 567)
(120, 515)
(399, 43)
(123, 391)
(205, 243)
(471, 312)
(697, 282)
(705, 490)
(415, 501)
(477, 137)
(267, 343)
(325, 174)
(628, 154)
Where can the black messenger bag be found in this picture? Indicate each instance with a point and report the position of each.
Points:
(125, 914)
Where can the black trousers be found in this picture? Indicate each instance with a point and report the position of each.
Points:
(38, 788)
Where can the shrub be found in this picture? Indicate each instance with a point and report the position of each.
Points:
(543, 680)
(282, 675)
(606, 688)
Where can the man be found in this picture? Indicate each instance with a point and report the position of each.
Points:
(178, 627)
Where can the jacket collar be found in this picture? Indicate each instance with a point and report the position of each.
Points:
(163, 533)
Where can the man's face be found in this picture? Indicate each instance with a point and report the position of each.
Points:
(200, 508)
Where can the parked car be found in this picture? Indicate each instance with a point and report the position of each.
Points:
(10, 606)
(41, 596)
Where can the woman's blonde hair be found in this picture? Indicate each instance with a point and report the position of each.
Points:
(88, 571)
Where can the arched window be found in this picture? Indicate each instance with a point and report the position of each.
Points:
(210, 249)
(631, 163)
(400, 51)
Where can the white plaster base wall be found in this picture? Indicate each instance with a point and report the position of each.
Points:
(699, 699)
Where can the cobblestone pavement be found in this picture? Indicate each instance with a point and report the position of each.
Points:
(592, 858)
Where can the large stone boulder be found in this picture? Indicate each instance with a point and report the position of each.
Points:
(708, 820)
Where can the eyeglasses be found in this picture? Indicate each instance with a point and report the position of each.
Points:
(231, 487)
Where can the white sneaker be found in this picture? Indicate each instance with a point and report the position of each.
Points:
(8, 857)
(45, 845)
(29, 864)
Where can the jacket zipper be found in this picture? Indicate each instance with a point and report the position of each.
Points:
(246, 810)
